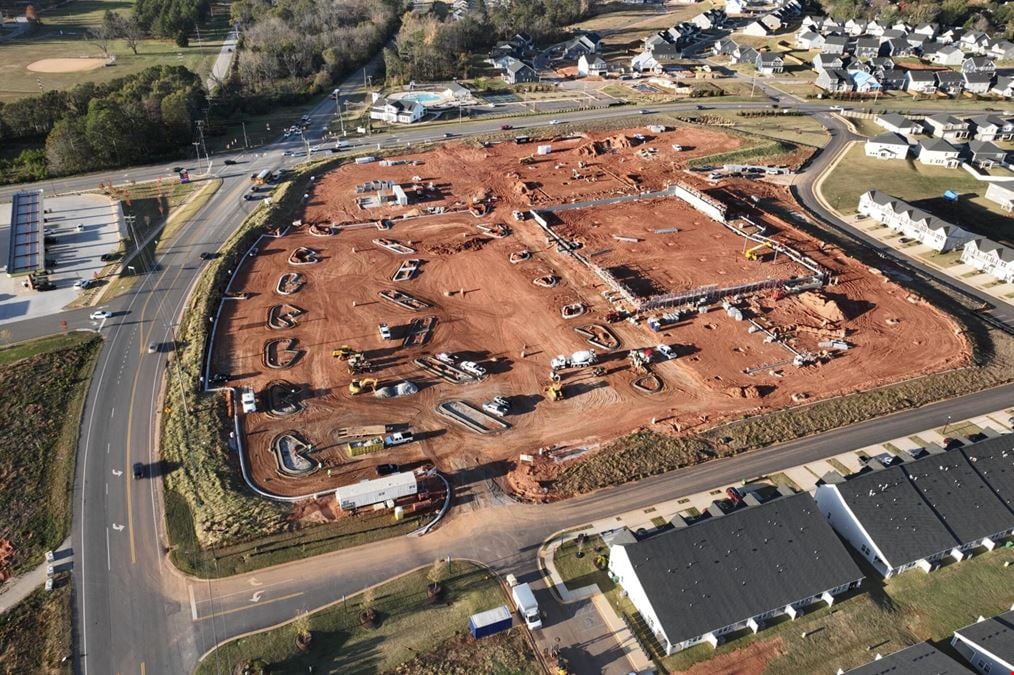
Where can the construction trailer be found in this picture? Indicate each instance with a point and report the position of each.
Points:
(490, 622)
(369, 492)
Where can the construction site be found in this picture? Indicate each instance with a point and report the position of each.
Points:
(514, 297)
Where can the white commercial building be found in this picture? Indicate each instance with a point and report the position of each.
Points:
(368, 492)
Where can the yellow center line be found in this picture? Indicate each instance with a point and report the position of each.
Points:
(252, 605)
(142, 667)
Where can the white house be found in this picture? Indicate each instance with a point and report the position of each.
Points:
(807, 39)
(735, 7)
(920, 81)
(898, 124)
(978, 83)
(396, 111)
(948, 55)
(1003, 87)
(1002, 194)
(990, 257)
(988, 644)
(937, 151)
(700, 583)
(887, 146)
(595, 66)
(769, 63)
(920, 659)
(947, 127)
(985, 154)
(915, 514)
(911, 222)
(992, 128)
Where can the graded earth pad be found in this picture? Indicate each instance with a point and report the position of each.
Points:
(503, 330)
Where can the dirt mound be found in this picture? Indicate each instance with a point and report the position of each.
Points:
(472, 244)
(596, 148)
(749, 391)
(821, 306)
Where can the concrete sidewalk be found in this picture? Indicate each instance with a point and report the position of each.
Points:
(17, 589)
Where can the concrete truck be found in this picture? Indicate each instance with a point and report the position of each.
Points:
(524, 601)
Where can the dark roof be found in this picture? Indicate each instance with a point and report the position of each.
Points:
(26, 248)
(994, 460)
(920, 659)
(724, 570)
(890, 138)
(933, 504)
(994, 635)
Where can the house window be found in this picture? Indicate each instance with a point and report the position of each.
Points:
(865, 549)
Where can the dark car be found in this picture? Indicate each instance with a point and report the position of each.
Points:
(505, 127)
(230, 162)
(208, 255)
(138, 470)
(178, 169)
(734, 495)
(952, 444)
(976, 437)
(107, 257)
(386, 469)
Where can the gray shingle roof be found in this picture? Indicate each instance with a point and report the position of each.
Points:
(994, 635)
(889, 138)
(728, 569)
(920, 659)
(937, 145)
(933, 504)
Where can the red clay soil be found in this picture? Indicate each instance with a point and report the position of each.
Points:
(751, 660)
(488, 310)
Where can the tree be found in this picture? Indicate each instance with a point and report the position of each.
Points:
(132, 32)
(67, 148)
(103, 36)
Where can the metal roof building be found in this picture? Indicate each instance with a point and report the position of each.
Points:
(700, 583)
(367, 492)
(916, 514)
(26, 250)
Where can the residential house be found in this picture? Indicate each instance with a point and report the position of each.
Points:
(887, 146)
(882, 63)
(834, 44)
(978, 64)
(595, 66)
(645, 62)
(834, 80)
(894, 34)
(864, 82)
(519, 72)
(898, 124)
(991, 128)
(724, 47)
(949, 35)
(875, 28)
(920, 81)
(756, 29)
(920, 659)
(735, 7)
(946, 126)
(772, 21)
(990, 257)
(911, 222)
(915, 514)
(950, 82)
(928, 30)
(937, 151)
(826, 61)
(867, 47)
(855, 27)
(587, 43)
(896, 47)
(902, 27)
(830, 27)
(988, 644)
(807, 39)
(744, 55)
(977, 83)
(713, 18)
(915, 41)
(1004, 86)
(396, 111)
(974, 42)
(893, 79)
(929, 49)
(769, 63)
(948, 55)
(760, 566)
(662, 48)
(1002, 194)
(1002, 50)
(985, 154)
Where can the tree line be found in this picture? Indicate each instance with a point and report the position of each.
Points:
(429, 47)
(134, 119)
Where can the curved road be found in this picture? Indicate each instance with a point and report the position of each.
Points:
(136, 614)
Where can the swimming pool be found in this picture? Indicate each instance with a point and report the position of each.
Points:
(427, 98)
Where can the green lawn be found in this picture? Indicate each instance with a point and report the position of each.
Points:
(580, 572)
(920, 184)
(41, 403)
(910, 608)
(408, 623)
(63, 35)
(794, 128)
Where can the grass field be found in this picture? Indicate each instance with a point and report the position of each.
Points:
(578, 572)
(63, 34)
(41, 402)
(794, 128)
(408, 623)
(35, 633)
(624, 29)
(919, 184)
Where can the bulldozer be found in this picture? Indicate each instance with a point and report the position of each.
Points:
(359, 386)
(638, 361)
(344, 353)
(554, 391)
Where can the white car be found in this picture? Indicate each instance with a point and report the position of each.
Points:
(82, 284)
(665, 351)
(554, 121)
(99, 314)
(314, 148)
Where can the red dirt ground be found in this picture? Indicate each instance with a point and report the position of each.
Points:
(515, 327)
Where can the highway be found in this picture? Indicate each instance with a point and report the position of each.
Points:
(135, 614)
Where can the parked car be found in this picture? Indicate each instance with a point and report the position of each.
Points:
(152, 348)
(977, 436)
(554, 122)
(99, 314)
(107, 257)
(952, 444)
(506, 127)
(82, 284)
(230, 162)
(208, 255)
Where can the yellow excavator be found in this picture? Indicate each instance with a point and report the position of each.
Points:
(359, 386)
(344, 353)
(752, 252)
(554, 391)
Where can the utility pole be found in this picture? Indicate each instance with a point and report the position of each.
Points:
(246, 141)
(200, 131)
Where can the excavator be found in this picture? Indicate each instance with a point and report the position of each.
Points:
(554, 391)
(752, 252)
(357, 363)
(638, 361)
(359, 386)
(344, 353)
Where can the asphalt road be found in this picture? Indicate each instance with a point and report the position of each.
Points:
(134, 613)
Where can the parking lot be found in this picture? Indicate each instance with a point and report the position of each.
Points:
(79, 229)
